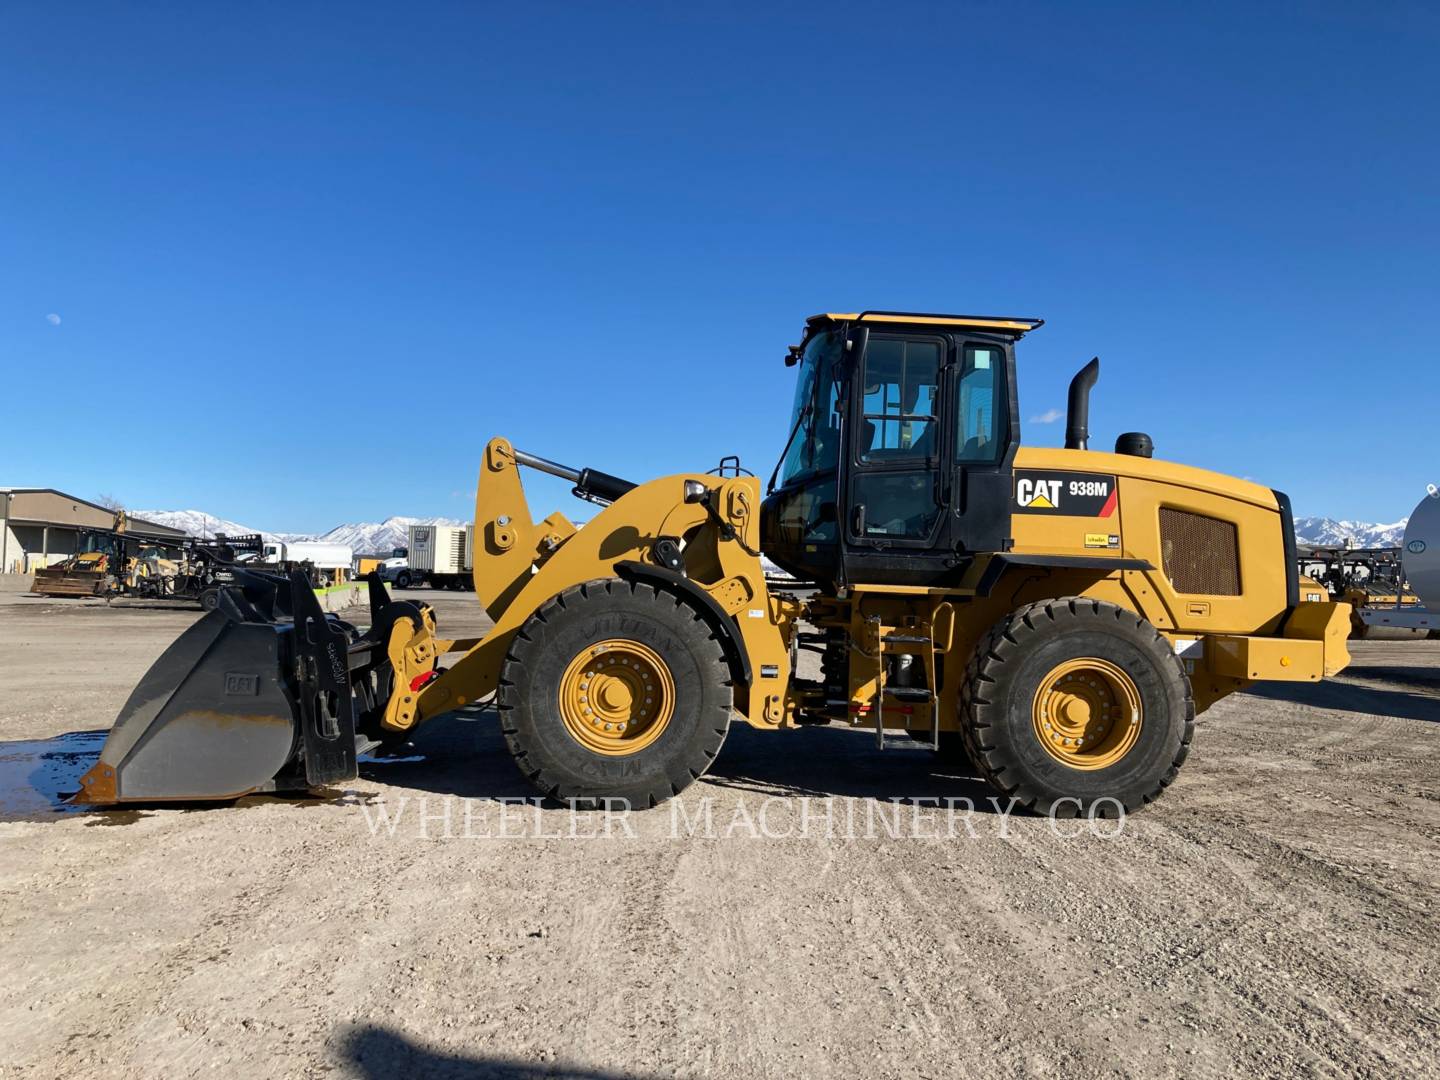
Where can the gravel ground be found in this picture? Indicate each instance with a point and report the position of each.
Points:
(1273, 914)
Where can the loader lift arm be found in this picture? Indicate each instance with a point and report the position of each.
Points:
(270, 693)
(520, 564)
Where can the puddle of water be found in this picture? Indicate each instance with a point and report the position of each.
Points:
(375, 764)
(38, 775)
(382, 759)
(399, 753)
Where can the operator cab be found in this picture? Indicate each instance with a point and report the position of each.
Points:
(901, 448)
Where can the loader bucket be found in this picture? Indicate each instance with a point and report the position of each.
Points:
(255, 696)
(59, 581)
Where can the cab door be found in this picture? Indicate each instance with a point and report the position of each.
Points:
(895, 523)
(986, 431)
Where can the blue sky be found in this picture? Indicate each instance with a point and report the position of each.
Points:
(306, 259)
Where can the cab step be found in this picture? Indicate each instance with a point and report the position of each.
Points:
(914, 694)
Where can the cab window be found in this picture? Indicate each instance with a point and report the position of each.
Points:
(977, 437)
(899, 407)
(899, 504)
(815, 445)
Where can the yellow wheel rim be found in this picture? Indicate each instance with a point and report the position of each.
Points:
(1087, 713)
(617, 697)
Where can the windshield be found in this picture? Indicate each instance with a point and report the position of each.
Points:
(816, 445)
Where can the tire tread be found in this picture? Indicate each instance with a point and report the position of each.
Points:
(529, 645)
(1015, 631)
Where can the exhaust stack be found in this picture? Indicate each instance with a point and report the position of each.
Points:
(1077, 419)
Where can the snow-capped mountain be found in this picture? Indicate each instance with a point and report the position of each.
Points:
(198, 523)
(1327, 532)
(380, 537)
(363, 538)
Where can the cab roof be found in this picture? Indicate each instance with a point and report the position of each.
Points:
(1004, 324)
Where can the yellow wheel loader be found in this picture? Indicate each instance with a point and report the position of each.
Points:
(96, 571)
(1053, 619)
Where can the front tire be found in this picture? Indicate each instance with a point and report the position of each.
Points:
(1072, 702)
(614, 691)
(402, 580)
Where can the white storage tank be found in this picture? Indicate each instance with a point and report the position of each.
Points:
(1420, 551)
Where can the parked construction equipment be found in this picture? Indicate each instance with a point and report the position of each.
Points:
(1393, 587)
(1398, 588)
(95, 571)
(203, 569)
(108, 568)
(1050, 619)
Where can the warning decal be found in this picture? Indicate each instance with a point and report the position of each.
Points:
(1071, 494)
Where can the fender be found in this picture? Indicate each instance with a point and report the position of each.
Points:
(1100, 565)
(721, 624)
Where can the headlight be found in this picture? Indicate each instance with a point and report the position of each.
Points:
(695, 491)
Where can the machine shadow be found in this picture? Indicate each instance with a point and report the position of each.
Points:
(1422, 678)
(1402, 704)
(839, 761)
(460, 753)
(463, 754)
(381, 1054)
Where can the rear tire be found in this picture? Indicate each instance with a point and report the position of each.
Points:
(210, 599)
(634, 628)
(1082, 667)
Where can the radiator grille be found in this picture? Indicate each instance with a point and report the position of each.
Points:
(1201, 554)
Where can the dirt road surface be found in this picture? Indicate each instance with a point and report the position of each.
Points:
(1274, 913)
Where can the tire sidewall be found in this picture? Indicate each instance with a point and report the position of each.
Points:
(1157, 677)
(654, 621)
